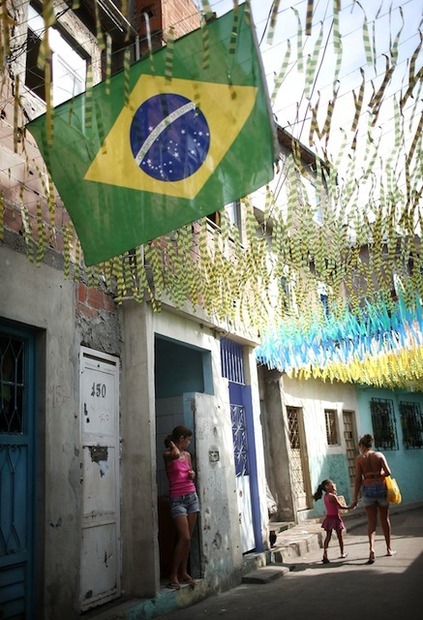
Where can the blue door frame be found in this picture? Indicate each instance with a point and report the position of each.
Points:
(17, 472)
(241, 395)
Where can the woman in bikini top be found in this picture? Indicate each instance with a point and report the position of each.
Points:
(373, 466)
(371, 470)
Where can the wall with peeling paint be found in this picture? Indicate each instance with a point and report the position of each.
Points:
(45, 301)
(141, 438)
(319, 460)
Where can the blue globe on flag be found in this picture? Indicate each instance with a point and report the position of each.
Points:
(170, 137)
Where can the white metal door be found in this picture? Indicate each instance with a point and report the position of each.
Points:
(100, 533)
(245, 513)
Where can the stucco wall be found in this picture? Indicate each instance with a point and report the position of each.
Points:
(43, 300)
(39, 297)
(221, 555)
(139, 520)
(219, 524)
(406, 465)
(324, 461)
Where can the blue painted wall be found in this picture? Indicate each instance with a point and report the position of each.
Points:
(334, 467)
(406, 465)
(180, 368)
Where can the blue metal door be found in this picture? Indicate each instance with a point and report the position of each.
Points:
(16, 473)
(244, 447)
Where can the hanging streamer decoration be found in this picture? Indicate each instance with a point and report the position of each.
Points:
(335, 251)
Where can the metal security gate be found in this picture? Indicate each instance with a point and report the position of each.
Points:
(298, 458)
(17, 473)
(100, 531)
(351, 442)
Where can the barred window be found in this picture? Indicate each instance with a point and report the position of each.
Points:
(411, 424)
(383, 422)
(331, 422)
(293, 414)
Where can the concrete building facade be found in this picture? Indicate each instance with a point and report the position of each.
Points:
(90, 389)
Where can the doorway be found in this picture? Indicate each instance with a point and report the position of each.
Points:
(300, 473)
(17, 472)
(100, 528)
(351, 442)
(181, 371)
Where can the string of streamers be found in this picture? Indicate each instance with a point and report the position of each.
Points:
(339, 294)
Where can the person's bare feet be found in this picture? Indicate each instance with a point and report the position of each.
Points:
(372, 558)
(188, 579)
(173, 585)
(391, 552)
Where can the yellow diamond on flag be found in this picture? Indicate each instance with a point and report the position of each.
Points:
(171, 135)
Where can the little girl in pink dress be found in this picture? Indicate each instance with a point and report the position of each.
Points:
(332, 520)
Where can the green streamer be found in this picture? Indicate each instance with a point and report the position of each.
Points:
(282, 71)
(273, 18)
(300, 57)
(312, 64)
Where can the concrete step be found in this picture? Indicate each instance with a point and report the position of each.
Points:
(265, 575)
(292, 542)
(253, 561)
(276, 527)
(280, 526)
(296, 542)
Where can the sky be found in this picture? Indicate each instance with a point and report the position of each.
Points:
(291, 105)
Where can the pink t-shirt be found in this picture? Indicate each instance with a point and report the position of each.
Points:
(179, 481)
(332, 509)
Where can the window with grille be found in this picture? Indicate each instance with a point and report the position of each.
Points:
(331, 423)
(11, 385)
(411, 424)
(293, 427)
(232, 361)
(239, 436)
(383, 422)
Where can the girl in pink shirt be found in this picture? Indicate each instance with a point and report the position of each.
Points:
(184, 504)
(332, 520)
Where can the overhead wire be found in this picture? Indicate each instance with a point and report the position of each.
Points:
(341, 77)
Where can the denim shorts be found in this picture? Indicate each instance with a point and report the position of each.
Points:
(184, 505)
(374, 501)
(374, 495)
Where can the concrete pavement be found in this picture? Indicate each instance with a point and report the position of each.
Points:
(344, 588)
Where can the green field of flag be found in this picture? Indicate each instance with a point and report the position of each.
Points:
(181, 146)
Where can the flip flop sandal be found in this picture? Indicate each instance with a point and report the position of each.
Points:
(190, 581)
(173, 585)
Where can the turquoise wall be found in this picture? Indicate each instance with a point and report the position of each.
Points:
(180, 368)
(334, 467)
(406, 465)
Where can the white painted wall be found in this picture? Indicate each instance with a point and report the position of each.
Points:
(215, 481)
(314, 396)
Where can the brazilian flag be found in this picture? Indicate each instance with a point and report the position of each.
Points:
(185, 143)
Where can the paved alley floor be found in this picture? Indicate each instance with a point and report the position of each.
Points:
(344, 589)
